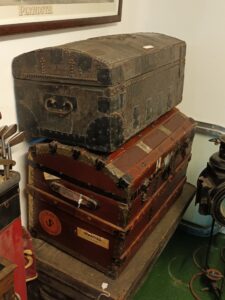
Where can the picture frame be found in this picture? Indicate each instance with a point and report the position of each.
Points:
(24, 16)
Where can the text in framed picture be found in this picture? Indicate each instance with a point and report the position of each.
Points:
(20, 16)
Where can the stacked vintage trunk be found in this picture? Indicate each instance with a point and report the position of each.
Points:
(121, 150)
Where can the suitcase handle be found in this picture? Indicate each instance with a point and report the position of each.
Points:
(78, 198)
(53, 106)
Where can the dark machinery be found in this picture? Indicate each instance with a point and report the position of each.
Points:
(211, 199)
(211, 185)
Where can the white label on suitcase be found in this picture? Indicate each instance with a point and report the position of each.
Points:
(144, 147)
(49, 176)
(93, 238)
(148, 47)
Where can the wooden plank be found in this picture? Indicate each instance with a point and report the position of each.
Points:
(6, 278)
(57, 269)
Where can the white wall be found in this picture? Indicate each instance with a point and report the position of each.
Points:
(200, 23)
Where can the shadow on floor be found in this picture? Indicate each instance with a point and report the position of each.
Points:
(170, 277)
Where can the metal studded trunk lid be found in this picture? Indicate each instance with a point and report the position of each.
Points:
(107, 60)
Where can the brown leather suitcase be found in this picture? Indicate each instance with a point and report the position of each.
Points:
(91, 235)
(100, 244)
(99, 92)
(117, 186)
(78, 281)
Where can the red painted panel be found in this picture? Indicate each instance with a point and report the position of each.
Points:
(11, 247)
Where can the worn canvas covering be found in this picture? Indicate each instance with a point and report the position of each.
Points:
(99, 92)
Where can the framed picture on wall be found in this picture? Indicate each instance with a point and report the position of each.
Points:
(21, 16)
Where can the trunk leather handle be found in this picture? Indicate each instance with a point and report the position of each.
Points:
(53, 106)
(78, 198)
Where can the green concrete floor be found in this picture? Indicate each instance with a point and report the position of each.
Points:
(170, 276)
